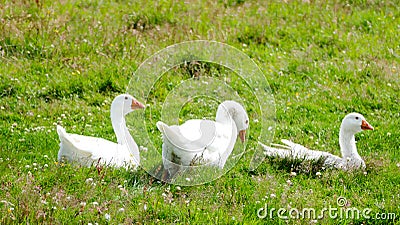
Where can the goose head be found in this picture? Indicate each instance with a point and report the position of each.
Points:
(354, 123)
(124, 104)
(238, 114)
(121, 106)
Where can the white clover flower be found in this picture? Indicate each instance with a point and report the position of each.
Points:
(89, 180)
(107, 216)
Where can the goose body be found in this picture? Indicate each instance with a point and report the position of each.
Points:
(87, 150)
(204, 142)
(351, 124)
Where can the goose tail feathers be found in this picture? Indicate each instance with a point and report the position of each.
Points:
(170, 134)
(67, 145)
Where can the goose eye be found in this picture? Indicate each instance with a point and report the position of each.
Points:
(126, 97)
(247, 121)
(356, 117)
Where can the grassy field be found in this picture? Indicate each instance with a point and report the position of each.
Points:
(62, 62)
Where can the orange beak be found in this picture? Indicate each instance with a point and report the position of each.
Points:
(242, 135)
(136, 104)
(366, 126)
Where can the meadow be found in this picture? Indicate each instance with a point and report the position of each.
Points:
(62, 62)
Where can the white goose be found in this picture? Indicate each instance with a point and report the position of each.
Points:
(351, 124)
(204, 142)
(86, 150)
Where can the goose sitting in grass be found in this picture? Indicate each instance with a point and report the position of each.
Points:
(86, 150)
(204, 142)
(351, 124)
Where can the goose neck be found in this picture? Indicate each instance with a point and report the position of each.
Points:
(347, 144)
(123, 135)
(118, 123)
(223, 115)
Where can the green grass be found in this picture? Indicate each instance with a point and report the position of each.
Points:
(63, 62)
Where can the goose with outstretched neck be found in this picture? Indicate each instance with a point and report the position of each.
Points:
(351, 124)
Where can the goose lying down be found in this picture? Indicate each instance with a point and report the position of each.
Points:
(351, 124)
(87, 150)
(204, 141)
